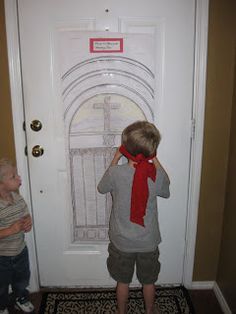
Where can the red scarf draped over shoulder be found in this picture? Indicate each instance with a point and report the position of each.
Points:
(143, 170)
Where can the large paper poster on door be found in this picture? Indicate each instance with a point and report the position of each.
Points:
(107, 83)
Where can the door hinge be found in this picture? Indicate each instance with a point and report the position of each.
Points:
(23, 126)
(193, 127)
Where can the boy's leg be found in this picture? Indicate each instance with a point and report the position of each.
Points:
(121, 268)
(20, 282)
(122, 294)
(149, 298)
(148, 268)
(4, 298)
(21, 276)
(5, 280)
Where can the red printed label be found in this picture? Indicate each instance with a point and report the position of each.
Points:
(100, 45)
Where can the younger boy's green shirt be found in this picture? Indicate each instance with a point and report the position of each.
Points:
(125, 235)
(10, 213)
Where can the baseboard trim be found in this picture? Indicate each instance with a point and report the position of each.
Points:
(221, 299)
(202, 285)
(212, 285)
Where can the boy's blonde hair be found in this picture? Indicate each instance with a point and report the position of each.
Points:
(141, 137)
(4, 164)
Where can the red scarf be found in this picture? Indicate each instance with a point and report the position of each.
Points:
(140, 193)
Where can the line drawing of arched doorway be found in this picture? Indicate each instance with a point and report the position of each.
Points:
(95, 113)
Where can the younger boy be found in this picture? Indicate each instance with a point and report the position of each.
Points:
(134, 230)
(15, 220)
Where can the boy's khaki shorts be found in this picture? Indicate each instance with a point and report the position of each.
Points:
(121, 265)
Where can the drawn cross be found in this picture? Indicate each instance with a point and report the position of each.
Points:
(107, 106)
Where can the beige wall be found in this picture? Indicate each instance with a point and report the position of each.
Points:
(220, 73)
(226, 275)
(216, 146)
(6, 134)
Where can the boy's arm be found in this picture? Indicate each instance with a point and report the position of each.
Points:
(27, 223)
(162, 181)
(12, 229)
(157, 165)
(105, 184)
(116, 157)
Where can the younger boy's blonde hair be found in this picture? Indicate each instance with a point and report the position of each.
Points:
(4, 164)
(141, 137)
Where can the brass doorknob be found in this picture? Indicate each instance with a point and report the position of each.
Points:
(37, 151)
(36, 125)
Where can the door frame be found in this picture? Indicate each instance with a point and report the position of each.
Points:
(197, 126)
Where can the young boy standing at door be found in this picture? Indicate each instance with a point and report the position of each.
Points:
(134, 230)
(15, 220)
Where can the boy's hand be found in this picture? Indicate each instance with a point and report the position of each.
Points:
(16, 227)
(156, 162)
(116, 157)
(27, 223)
(24, 224)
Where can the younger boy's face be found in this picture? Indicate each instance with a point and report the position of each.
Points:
(11, 181)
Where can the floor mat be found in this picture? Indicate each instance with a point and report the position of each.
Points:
(168, 300)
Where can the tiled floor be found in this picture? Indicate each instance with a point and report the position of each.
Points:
(205, 302)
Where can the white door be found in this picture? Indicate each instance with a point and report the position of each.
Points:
(90, 68)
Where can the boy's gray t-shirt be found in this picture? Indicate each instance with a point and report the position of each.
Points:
(125, 235)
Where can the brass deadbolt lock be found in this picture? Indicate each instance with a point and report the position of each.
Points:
(36, 125)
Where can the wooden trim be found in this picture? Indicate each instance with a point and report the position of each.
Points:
(221, 299)
(18, 119)
(201, 38)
